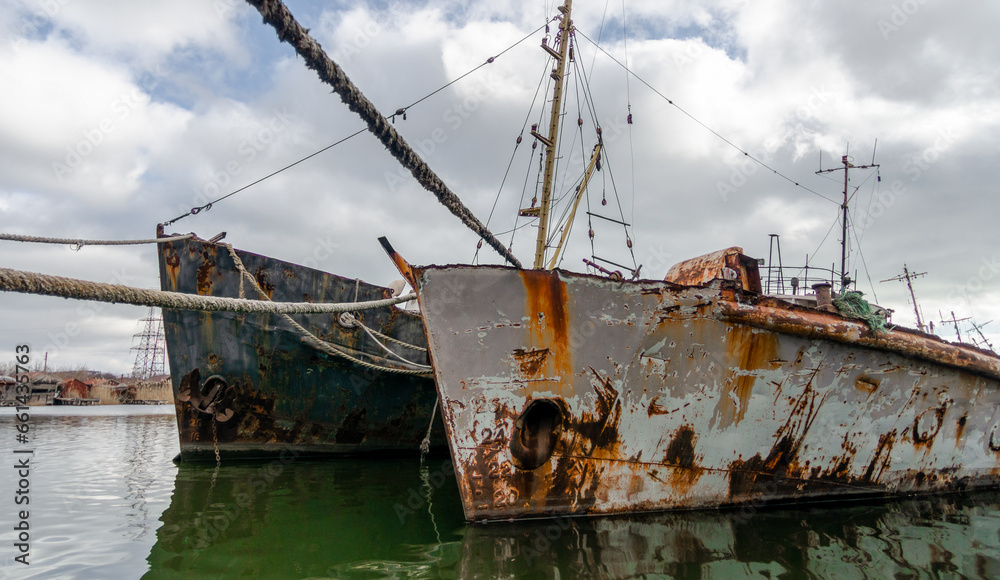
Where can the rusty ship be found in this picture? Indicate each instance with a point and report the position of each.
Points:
(252, 386)
(262, 385)
(569, 394)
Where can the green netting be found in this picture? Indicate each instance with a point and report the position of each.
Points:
(850, 303)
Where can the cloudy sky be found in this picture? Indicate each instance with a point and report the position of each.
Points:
(116, 116)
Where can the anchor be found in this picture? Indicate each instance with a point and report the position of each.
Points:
(214, 397)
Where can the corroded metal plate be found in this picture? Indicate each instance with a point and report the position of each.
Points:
(572, 394)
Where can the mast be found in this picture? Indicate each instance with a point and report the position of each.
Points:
(954, 321)
(844, 279)
(979, 329)
(909, 276)
(558, 74)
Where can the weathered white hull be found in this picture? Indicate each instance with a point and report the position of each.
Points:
(572, 394)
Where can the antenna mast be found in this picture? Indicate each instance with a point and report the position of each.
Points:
(909, 276)
(954, 321)
(979, 329)
(844, 278)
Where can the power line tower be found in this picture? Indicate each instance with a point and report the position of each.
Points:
(149, 355)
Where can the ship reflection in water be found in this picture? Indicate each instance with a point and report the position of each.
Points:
(398, 519)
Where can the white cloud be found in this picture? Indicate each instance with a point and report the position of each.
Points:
(149, 30)
(79, 127)
(783, 80)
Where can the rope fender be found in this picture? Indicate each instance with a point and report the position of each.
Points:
(46, 285)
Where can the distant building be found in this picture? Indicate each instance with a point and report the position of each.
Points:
(74, 389)
(44, 388)
(75, 392)
(8, 392)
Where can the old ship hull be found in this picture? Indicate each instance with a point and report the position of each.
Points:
(569, 394)
(248, 386)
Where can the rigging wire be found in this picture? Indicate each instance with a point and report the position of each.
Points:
(589, 97)
(208, 206)
(524, 187)
(871, 199)
(401, 111)
(709, 129)
(864, 264)
(591, 108)
(600, 32)
(836, 220)
(557, 171)
(614, 188)
(628, 98)
(563, 220)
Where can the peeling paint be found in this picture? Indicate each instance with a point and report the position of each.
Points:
(696, 396)
(284, 394)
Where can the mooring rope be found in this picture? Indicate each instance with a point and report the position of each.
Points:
(425, 445)
(47, 285)
(79, 243)
(391, 339)
(314, 341)
(323, 346)
(289, 30)
(387, 349)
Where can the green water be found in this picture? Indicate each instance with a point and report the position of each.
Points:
(108, 503)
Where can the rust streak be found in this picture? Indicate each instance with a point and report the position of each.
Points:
(264, 283)
(883, 452)
(205, 270)
(172, 261)
(749, 350)
(655, 409)
(960, 429)
(549, 322)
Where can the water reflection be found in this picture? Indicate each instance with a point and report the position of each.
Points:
(304, 519)
(100, 478)
(391, 519)
(952, 536)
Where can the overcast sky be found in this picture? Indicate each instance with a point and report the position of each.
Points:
(118, 115)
